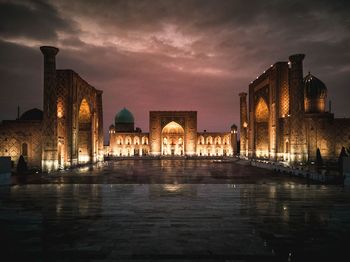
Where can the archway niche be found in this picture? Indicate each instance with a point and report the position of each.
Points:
(173, 139)
(84, 133)
(262, 128)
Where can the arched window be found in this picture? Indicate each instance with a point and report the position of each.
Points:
(144, 140)
(226, 140)
(209, 140)
(128, 140)
(24, 149)
(217, 140)
(200, 140)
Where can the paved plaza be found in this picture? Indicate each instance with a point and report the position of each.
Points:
(172, 210)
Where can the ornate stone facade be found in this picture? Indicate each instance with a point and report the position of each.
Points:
(287, 117)
(172, 133)
(22, 137)
(70, 131)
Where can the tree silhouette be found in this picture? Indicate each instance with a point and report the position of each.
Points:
(340, 159)
(21, 165)
(319, 160)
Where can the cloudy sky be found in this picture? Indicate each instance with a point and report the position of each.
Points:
(171, 54)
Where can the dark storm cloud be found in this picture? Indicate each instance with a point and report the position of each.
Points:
(31, 19)
(183, 54)
(20, 78)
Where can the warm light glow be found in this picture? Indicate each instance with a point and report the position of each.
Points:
(173, 139)
(60, 108)
(49, 165)
(261, 111)
(85, 132)
(84, 158)
(84, 112)
(172, 187)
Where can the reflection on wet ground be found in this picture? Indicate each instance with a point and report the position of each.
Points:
(276, 219)
(159, 172)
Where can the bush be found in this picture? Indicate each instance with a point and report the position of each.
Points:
(22, 165)
(342, 154)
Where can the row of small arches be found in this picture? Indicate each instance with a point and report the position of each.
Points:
(129, 141)
(213, 141)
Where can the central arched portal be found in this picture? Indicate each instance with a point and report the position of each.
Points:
(173, 139)
(85, 134)
(262, 129)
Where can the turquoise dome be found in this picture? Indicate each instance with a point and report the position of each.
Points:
(124, 116)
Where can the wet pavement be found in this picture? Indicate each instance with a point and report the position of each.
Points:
(180, 211)
(160, 172)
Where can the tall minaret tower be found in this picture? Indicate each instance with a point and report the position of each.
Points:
(298, 147)
(243, 124)
(234, 139)
(49, 127)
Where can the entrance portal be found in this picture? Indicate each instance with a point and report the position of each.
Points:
(84, 135)
(262, 129)
(173, 139)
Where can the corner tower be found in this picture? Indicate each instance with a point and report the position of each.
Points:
(298, 147)
(49, 127)
(243, 124)
(234, 139)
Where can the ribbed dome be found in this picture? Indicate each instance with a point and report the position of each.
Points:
(32, 114)
(314, 87)
(124, 116)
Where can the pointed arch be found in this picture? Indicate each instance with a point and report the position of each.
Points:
(172, 139)
(84, 132)
(262, 139)
(261, 111)
(201, 140)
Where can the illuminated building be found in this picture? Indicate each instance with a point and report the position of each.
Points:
(69, 130)
(286, 119)
(172, 133)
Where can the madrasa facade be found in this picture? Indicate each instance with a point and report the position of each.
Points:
(171, 133)
(69, 130)
(285, 117)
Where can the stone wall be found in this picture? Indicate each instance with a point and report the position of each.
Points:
(14, 134)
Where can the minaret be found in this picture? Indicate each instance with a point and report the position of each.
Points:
(234, 139)
(49, 127)
(298, 147)
(243, 124)
(100, 126)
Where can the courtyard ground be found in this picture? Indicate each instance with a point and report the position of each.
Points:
(172, 210)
